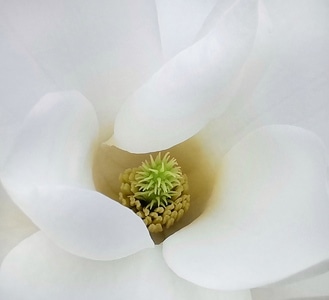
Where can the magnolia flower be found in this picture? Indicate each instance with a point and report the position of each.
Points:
(259, 200)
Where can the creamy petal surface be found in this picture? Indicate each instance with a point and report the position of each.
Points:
(104, 49)
(316, 288)
(48, 175)
(87, 223)
(14, 225)
(55, 274)
(180, 23)
(23, 82)
(183, 96)
(294, 88)
(267, 219)
(56, 142)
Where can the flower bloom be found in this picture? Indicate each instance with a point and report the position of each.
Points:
(265, 218)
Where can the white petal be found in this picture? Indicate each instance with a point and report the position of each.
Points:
(9, 128)
(14, 225)
(226, 130)
(295, 88)
(54, 148)
(316, 288)
(85, 222)
(104, 49)
(55, 144)
(22, 81)
(268, 217)
(180, 23)
(54, 274)
(182, 97)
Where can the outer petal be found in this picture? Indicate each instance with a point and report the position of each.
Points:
(268, 218)
(22, 81)
(294, 89)
(9, 128)
(180, 23)
(14, 225)
(54, 274)
(182, 97)
(105, 49)
(55, 148)
(316, 288)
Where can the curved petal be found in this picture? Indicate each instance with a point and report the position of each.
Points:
(227, 127)
(105, 49)
(184, 95)
(84, 222)
(55, 144)
(295, 88)
(316, 288)
(268, 217)
(55, 274)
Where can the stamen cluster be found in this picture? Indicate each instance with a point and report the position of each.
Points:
(157, 191)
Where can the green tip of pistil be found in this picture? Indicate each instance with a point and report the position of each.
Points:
(156, 180)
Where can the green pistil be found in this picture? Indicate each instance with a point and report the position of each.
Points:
(157, 191)
(157, 179)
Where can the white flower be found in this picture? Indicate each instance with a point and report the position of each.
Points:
(266, 219)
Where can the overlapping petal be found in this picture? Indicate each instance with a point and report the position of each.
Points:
(294, 88)
(87, 223)
(104, 49)
(180, 23)
(184, 95)
(56, 142)
(23, 82)
(14, 225)
(59, 275)
(268, 214)
(48, 175)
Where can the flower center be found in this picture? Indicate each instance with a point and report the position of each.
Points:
(157, 191)
(110, 162)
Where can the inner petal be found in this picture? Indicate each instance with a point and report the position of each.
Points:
(190, 89)
(110, 162)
